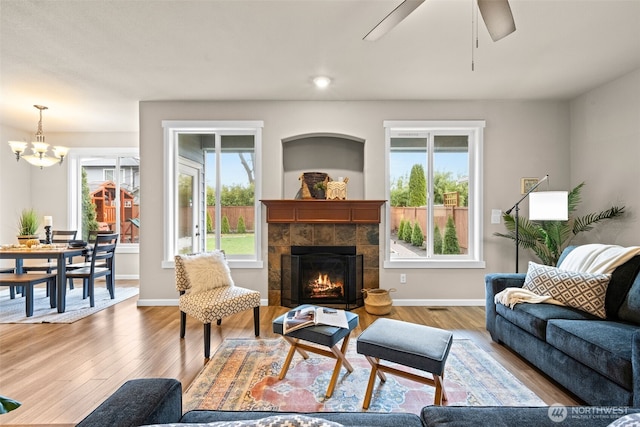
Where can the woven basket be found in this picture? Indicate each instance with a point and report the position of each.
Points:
(309, 181)
(336, 190)
(378, 301)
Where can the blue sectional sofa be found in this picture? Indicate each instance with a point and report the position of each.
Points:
(598, 360)
(159, 401)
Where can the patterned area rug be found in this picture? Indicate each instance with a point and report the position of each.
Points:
(13, 310)
(243, 375)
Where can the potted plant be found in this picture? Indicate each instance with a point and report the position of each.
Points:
(319, 190)
(7, 404)
(28, 224)
(547, 239)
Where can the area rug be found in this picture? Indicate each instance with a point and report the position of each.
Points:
(13, 310)
(243, 376)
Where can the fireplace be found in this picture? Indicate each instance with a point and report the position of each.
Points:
(318, 223)
(325, 275)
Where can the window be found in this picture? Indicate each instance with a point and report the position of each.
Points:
(434, 189)
(213, 192)
(102, 200)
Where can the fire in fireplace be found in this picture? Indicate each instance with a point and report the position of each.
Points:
(326, 275)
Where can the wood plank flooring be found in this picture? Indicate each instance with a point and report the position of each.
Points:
(61, 372)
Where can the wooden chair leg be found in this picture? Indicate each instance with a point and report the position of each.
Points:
(183, 323)
(207, 340)
(256, 320)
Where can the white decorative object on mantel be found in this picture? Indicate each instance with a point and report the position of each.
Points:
(337, 190)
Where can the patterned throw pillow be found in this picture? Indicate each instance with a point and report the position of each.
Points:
(207, 271)
(631, 420)
(584, 291)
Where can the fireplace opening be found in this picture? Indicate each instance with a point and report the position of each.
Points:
(326, 275)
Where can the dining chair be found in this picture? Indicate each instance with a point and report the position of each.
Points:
(101, 265)
(91, 240)
(208, 293)
(57, 236)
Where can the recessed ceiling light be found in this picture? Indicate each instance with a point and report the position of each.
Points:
(321, 82)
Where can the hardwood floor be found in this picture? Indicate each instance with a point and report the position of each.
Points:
(61, 372)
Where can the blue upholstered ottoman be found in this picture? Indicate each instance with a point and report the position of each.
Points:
(328, 336)
(407, 344)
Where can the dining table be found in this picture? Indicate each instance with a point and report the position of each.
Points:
(59, 253)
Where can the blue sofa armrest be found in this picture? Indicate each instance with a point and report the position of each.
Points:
(495, 283)
(139, 402)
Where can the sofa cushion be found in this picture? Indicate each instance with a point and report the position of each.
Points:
(372, 419)
(630, 308)
(602, 345)
(504, 416)
(585, 291)
(623, 294)
(533, 317)
(282, 420)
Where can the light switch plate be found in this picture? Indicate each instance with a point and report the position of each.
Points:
(496, 216)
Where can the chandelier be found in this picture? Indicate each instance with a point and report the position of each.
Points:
(39, 148)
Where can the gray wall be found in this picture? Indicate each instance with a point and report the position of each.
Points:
(605, 154)
(594, 138)
(522, 139)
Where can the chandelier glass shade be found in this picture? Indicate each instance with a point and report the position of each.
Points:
(40, 155)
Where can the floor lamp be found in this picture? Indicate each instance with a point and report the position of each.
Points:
(543, 206)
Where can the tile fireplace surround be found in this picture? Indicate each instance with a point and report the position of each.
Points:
(311, 222)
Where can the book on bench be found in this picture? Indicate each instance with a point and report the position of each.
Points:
(309, 316)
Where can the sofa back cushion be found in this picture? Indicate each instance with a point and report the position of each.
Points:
(630, 308)
(622, 301)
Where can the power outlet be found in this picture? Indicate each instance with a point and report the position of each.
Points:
(403, 278)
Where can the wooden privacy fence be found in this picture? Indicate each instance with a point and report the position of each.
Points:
(233, 213)
(441, 214)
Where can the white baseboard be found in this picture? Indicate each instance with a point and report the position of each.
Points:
(173, 302)
(398, 302)
(438, 302)
(157, 302)
(127, 277)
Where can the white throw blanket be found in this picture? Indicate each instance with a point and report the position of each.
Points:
(512, 296)
(597, 258)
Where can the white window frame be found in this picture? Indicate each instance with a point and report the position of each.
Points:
(475, 129)
(75, 184)
(172, 128)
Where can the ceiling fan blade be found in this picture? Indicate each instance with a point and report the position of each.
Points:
(497, 17)
(392, 19)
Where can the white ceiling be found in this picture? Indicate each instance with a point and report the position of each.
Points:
(91, 61)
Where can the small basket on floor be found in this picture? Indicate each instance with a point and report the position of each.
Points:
(378, 301)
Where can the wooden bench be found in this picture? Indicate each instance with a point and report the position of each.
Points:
(27, 282)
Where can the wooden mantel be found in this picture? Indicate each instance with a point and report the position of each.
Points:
(319, 211)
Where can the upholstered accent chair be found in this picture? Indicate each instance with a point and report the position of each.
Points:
(208, 293)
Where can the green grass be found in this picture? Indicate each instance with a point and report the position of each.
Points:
(233, 244)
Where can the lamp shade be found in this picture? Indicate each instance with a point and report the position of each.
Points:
(549, 206)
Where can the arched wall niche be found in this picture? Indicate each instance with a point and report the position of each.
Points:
(336, 154)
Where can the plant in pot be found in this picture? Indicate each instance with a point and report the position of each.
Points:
(319, 190)
(547, 239)
(28, 224)
(7, 404)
